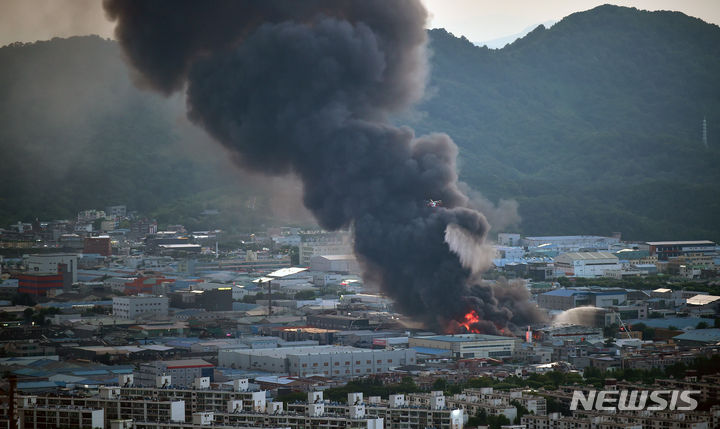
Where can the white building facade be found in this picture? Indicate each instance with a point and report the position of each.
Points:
(130, 307)
(48, 264)
(585, 264)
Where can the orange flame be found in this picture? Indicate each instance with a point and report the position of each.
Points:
(471, 318)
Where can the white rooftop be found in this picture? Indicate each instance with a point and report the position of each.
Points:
(589, 255)
(702, 299)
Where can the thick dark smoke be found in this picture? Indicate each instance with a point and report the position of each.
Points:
(307, 87)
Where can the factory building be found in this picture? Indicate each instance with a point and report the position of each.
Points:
(565, 299)
(345, 264)
(326, 243)
(665, 250)
(585, 264)
(182, 372)
(571, 333)
(571, 243)
(41, 284)
(130, 307)
(329, 361)
(49, 264)
(467, 345)
(338, 322)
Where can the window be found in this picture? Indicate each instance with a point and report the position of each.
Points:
(357, 362)
(379, 361)
(337, 363)
(304, 365)
(389, 360)
(325, 364)
(315, 364)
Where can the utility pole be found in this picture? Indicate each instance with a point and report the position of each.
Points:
(704, 132)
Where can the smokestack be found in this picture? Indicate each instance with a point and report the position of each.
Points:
(308, 87)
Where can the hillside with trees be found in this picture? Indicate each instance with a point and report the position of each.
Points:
(593, 125)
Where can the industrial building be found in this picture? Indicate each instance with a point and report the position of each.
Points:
(329, 361)
(42, 284)
(571, 243)
(325, 243)
(338, 322)
(571, 333)
(49, 264)
(585, 264)
(335, 264)
(182, 372)
(565, 299)
(665, 250)
(467, 345)
(130, 307)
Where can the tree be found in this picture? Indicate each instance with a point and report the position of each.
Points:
(702, 325)
(305, 294)
(521, 411)
(676, 370)
(479, 419)
(439, 384)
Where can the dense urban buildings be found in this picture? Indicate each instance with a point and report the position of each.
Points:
(156, 334)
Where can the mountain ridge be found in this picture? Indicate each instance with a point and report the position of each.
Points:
(592, 126)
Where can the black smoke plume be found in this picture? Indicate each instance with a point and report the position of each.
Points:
(308, 87)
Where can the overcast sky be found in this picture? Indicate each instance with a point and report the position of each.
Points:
(478, 20)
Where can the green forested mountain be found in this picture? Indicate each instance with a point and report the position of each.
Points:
(75, 133)
(593, 126)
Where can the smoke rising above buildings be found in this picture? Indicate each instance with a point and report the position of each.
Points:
(308, 88)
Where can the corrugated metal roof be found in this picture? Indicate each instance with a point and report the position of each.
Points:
(711, 336)
(431, 351)
(588, 255)
(565, 292)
